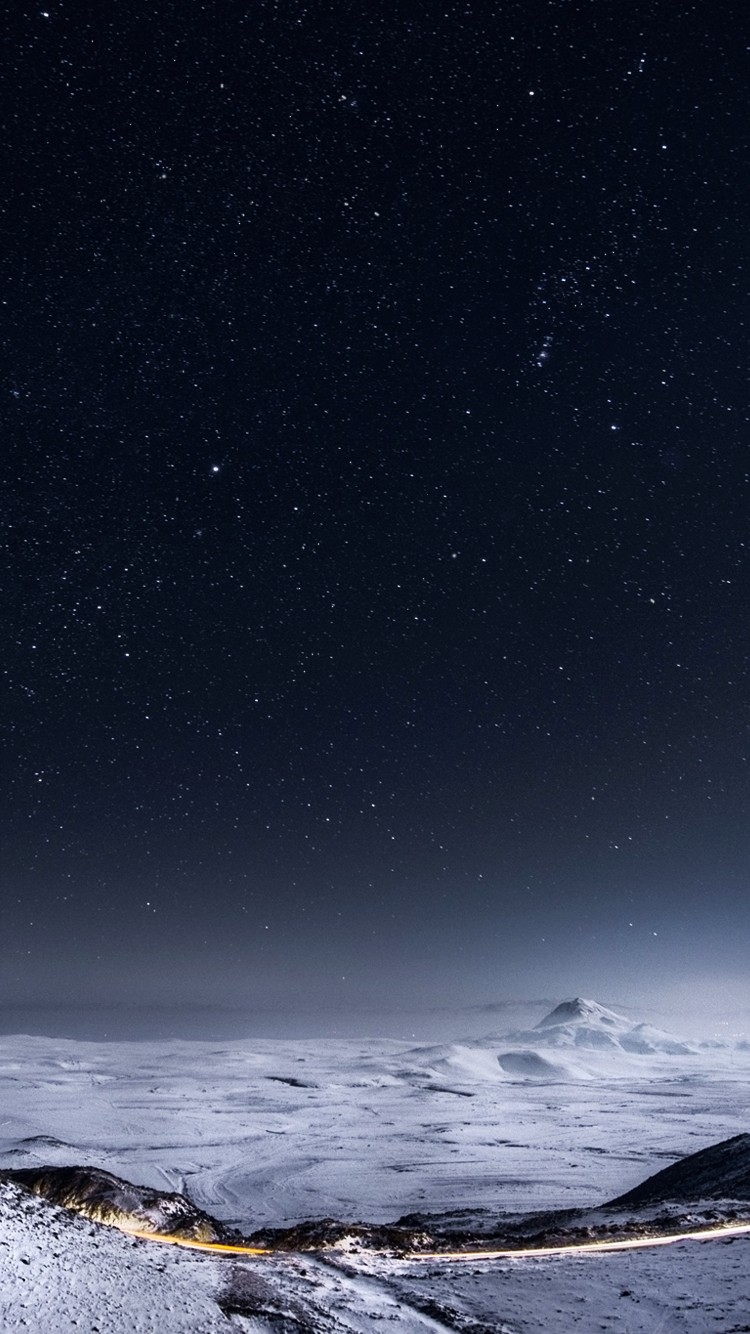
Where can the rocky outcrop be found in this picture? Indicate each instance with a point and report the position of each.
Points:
(108, 1199)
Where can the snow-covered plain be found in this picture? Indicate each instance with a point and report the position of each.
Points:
(569, 1113)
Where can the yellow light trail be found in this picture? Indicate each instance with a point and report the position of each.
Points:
(584, 1248)
(199, 1245)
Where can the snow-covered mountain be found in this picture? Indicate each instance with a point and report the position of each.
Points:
(578, 1040)
(585, 1023)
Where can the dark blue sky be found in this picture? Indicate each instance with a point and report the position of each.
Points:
(375, 435)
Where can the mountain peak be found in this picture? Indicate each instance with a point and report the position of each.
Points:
(573, 1011)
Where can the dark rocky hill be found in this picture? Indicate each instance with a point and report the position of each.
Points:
(721, 1172)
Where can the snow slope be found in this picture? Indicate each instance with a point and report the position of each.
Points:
(61, 1273)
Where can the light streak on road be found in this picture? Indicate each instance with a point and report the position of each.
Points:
(223, 1247)
(583, 1248)
(587, 1247)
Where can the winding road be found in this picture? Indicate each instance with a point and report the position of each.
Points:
(584, 1248)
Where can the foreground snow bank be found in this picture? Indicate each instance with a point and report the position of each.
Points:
(62, 1273)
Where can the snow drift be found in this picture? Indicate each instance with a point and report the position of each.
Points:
(530, 1065)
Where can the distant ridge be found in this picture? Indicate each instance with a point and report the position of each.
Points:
(721, 1172)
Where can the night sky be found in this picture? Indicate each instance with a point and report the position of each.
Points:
(374, 421)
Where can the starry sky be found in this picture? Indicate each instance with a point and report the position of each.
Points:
(375, 479)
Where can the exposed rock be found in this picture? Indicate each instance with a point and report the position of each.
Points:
(324, 1233)
(108, 1199)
